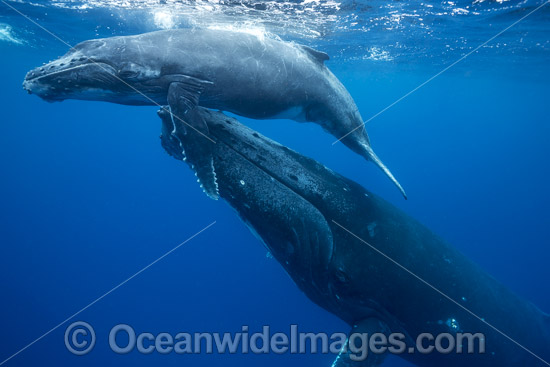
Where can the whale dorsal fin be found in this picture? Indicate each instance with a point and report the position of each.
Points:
(319, 56)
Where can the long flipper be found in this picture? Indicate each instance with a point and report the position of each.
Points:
(190, 132)
(171, 144)
(359, 355)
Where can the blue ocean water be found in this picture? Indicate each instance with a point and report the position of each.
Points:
(88, 196)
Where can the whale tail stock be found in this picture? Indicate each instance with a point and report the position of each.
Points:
(358, 141)
(369, 154)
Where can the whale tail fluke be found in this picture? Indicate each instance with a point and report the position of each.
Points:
(369, 154)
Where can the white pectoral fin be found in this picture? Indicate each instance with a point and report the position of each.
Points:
(184, 93)
(356, 352)
(169, 141)
(191, 133)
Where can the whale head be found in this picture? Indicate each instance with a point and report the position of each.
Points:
(99, 70)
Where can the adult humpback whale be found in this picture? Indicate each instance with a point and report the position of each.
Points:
(303, 211)
(231, 71)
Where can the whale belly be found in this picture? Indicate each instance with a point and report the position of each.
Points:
(295, 113)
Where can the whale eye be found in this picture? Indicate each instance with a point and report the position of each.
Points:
(130, 71)
(128, 74)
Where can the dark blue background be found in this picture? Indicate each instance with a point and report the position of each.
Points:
(88, 197)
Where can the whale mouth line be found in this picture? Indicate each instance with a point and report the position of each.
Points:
(102, 65)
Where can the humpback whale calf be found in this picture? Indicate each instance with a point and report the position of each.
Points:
(308, 217)
(251, 76)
